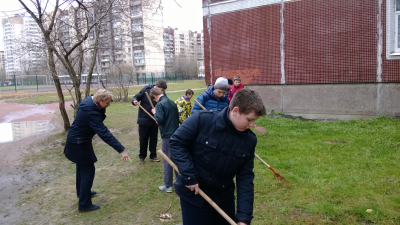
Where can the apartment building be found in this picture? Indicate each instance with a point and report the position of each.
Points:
(181, 45)
(2, 60)
(169, 48)
(133, 35)
(22, 44)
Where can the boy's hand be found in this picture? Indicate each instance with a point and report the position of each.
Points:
(241, 223)
(153, 111)
(194, 188)
(135, 102)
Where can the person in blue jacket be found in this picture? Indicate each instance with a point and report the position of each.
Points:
(214, 98)
(210, 149)
(79, 149)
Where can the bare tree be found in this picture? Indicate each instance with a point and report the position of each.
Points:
(67, 49)
(121, 76)
(75, 32)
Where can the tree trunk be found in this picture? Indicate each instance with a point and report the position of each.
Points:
(93, 62)
(60, 94)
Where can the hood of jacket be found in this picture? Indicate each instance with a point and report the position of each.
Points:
(88, 104)
(210, 92)
(234, 88)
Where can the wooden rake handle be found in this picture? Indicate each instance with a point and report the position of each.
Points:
(201, 106)
(208, 199)
(258, 157)
(147, 112)
(151, 102)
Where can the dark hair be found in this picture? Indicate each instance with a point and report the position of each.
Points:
(155, 91)
(248, 101)
(230, 82)
(161, 84)
(189, 92)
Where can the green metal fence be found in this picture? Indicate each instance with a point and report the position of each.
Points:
(152, 77)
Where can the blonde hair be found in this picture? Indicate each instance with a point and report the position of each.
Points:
(237, 78)
(102, 95)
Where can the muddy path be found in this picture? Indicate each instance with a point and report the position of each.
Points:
(16, 179)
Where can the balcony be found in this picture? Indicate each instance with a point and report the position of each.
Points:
(105, 60)
(136, 14)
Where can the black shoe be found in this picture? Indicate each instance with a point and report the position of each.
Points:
(90, 208)
(93, 193)
(155, 159)
(141, 161)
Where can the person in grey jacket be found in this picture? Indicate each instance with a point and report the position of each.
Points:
(167, 116)
(79, 149)
(210, 149)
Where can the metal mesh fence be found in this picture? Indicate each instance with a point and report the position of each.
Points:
(293, 42)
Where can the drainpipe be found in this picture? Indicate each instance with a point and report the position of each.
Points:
(209, 38)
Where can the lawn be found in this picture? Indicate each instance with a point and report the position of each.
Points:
(339, 170)
(42, 98)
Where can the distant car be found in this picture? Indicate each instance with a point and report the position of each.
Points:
(201, 76)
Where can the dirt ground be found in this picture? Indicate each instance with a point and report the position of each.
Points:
(15, 179)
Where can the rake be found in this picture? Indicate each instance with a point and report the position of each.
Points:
(204, 195)
(263, 131)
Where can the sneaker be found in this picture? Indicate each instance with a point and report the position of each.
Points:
(166, 189)
(155, 159)
(141, 161)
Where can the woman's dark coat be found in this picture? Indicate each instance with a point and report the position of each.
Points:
(88, 122)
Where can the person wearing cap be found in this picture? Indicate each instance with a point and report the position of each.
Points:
(214, 98)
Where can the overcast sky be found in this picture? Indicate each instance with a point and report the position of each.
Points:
(187, 17)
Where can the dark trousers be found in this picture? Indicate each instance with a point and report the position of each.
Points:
(146, 133)
(206, 214)
(84, 183)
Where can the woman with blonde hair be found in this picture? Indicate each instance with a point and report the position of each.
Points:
(79, 149)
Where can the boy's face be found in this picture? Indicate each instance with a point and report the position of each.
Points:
(242, 122)
(219, 93)
(156, 98)
(236, 83)
(189, 96)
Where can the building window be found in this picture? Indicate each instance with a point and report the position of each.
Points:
(392, 27)
(397, 25)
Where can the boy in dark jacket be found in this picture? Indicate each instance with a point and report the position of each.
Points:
(167, 116)
(211, 148)
(148, 129)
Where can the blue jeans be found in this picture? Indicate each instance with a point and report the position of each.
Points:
(168, 171)
(206, 214)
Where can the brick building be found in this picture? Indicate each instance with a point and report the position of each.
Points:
(313, 58)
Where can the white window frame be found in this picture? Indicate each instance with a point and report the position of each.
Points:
(396, 28)
(392, 50)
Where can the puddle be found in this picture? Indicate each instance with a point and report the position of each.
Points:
(18, 130)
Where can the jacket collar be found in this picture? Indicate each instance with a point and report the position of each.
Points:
(222, 120)
(224, 123)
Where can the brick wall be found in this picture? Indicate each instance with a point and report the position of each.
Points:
(325, 42)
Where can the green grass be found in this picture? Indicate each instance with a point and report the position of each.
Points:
(41, 98)
(20, 88)
(339, 170)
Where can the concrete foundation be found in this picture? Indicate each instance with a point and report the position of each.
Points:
(324, 101)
